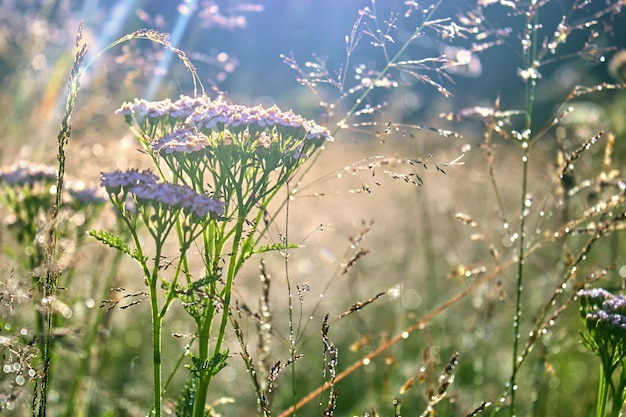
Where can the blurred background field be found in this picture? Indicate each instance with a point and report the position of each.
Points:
(415, 251)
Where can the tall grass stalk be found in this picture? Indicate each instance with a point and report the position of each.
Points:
(49, 284)
(530, 54)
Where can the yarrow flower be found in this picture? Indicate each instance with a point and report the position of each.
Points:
(114, 181)
(206, 114)
(25, 173)
(179, 109)
(181, 140)
(604, 317)
(84, 195)
(146, 188)
(178, 196)
(40, 180)
(604, 314)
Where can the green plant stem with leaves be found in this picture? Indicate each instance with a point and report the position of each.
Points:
(245, 189)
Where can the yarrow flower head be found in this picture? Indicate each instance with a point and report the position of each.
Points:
(26, 173)
(181, 140)
(605, 317)
(116, 181)
(84, 195)
(146, 189)
(206, 115)
(200, 137)
(178, 197)
(38, 182)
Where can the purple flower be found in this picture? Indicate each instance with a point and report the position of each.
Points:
(84, 195)
(116, 180)
(595, 294)
(182, 140)
(204, 113)
(202, 205)
(179, 109)
(25, 173)
(604, 313)
(177, 196)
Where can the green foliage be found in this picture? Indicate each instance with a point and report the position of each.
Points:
(118, 243)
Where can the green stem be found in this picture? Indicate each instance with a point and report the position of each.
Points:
(603, 394)
(202, 388)
(157, 321)
(618, 395)
(530, 100)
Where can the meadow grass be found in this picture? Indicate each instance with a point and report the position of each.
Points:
(260, 268)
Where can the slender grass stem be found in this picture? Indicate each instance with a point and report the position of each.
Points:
(292, 337)
(529, 57)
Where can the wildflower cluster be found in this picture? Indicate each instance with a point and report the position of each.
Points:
(144, 188)
(27, 191)
(217, 166)
(206, 115)
(605, 318)
(604, 315)
(236, 146)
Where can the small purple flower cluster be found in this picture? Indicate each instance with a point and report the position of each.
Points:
(179, 109)
(146, 188)
(115, 181)
(203, 113)
(25, 173)
(44, 178)
(84, 195)
(181, 140)
(604, 312)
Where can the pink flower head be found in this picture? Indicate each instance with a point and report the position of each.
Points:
(177, 196)
(114, 181)
(182, 140)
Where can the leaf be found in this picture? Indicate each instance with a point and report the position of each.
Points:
(116, 242)
(204, 369)
(276, 246)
